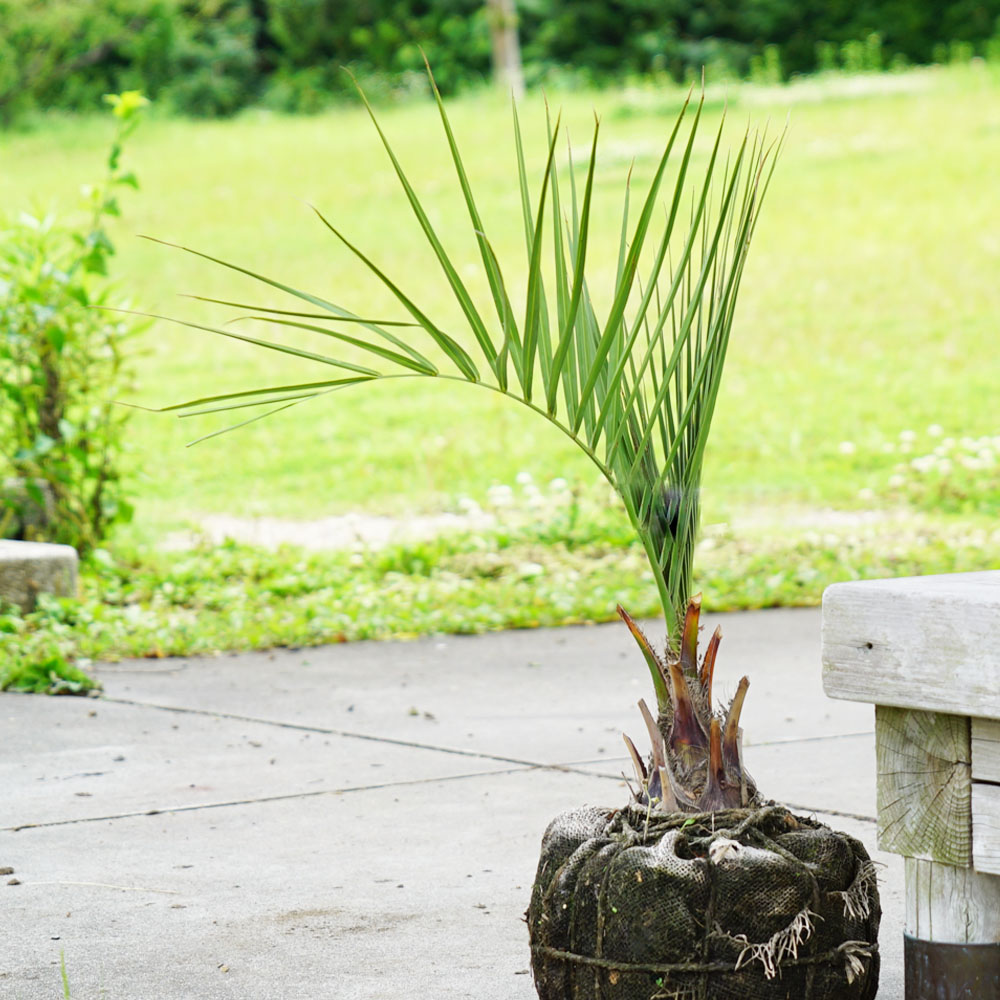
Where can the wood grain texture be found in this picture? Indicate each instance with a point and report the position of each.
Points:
(924, 783)
(986, 828)
(986, 750)
(947, 904)
(917, 642)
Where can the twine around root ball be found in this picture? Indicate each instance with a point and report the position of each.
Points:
(850, 953)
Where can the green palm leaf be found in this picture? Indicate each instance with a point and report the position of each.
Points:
(634, 388)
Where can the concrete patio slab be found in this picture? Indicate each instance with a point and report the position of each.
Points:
(413, 891)
(102, 758)
(544, 695)
(322, 877)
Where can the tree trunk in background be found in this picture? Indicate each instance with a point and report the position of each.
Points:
(506, 51)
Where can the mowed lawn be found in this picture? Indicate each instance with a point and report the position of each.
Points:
(869, 306)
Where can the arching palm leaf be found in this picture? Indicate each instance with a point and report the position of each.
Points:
(635, 388)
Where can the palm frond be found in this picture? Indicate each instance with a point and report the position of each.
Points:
(634, 386)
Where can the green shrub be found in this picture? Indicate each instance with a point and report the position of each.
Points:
(307, 43)
(213, 57)
(214, 65)
(68, 53)
(199, 56)
(62, 363)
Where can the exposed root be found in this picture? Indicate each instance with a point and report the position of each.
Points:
(855, 953)
(771, 953)
(857, 896)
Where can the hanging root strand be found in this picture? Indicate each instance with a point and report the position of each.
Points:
(783, 943)
(857, 897)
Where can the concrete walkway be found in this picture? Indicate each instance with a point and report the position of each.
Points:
(361, 821)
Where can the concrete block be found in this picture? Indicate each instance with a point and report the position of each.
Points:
(28, 569)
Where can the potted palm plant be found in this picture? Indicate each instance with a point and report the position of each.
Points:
(697, 887)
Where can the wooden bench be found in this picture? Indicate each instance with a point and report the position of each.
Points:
(925, 651)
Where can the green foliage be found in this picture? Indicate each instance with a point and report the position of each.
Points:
(632, 380)
(960, 475)
(213, 63)
(46, 673)
(197, 57)
(62, 364)
(213, 57)
(516, 575)
(310, 42)
(64, 975)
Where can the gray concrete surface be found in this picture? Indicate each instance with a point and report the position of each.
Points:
(361, 821)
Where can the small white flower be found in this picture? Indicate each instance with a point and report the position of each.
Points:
(908, 436)
(866, 494)
(944, 466)
(558, 485)
(924, 463)
(987, 457)
(935, 430)
(523, 478)
(500, 495)
(887, 447)
(847, 448)
(895, 482)
(530, 569)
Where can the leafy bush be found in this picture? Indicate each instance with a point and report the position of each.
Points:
(213, 57)
(61, 365)
(213, 62)
(198, 57)
(308, 42)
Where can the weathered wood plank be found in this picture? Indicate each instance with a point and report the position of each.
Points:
(986, 827)
(923, 785)
(986, 750)
(917, 642)
(955, 905)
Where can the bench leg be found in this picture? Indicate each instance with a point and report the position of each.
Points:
(952, 935)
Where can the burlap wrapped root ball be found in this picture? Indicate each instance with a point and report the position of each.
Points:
(745, 904)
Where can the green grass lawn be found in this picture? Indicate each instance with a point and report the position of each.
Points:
(868, 308)
(863, 370)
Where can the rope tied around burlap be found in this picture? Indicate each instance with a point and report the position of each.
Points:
(718, 838)
(850, 953)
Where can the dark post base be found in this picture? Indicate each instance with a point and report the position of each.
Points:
(938, 971)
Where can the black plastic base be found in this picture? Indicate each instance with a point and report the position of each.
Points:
(938, 971)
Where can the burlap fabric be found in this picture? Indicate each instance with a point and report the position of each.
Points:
(736, 905)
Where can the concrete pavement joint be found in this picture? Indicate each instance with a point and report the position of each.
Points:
(572, 767)
(195, 807)
(301, 727)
